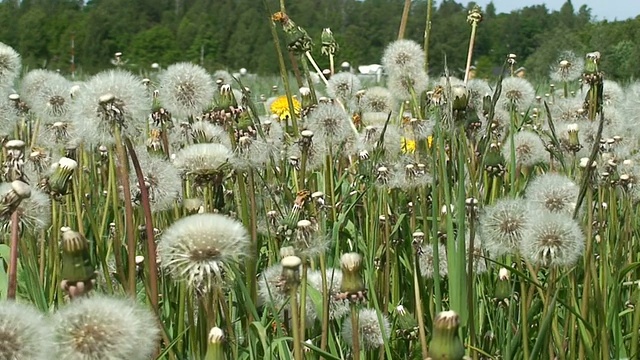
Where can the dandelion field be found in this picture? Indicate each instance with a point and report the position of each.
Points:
(188, 216)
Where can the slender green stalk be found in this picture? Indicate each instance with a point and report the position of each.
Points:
(13, 256)
(427, 35)
(355, 331)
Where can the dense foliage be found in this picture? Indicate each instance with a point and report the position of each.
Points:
(235, 33)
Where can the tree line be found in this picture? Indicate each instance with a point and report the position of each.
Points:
(233, 34)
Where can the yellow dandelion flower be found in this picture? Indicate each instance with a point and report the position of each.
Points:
(280, 107)
(408, 146)
(430, 141)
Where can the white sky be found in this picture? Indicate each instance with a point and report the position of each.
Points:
(600, 9)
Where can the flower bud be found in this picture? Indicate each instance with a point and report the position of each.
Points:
(503, 286)
(351, 279)
(216, 339)
(445, 343)
(60, 179)
(291, 271)
(76, 261)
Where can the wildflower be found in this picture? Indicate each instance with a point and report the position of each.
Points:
(186, 89)
(205, 162)
(403, 56)
(445, 343)
(376, 99)
(330, 122)
(517, 93)
(552, 240)
(569, 67)
(24, 333)
(103, 327)
(215, 349)
(553, 192)
(161, 178)
(34, 211)
(503, 289)
(195, 249)
(338, 307)
(280, 107)
(408, 146)
(372, 332)
(10, 65)
(77, 271)
(426, 260)
(343, 86)
(529, 149)
(110, 99)
(502, 226)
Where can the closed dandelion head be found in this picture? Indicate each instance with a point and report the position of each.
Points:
(330, 122)
(502, 226)
(517, 93)
(403, 56)
(110, 99)
(343, 86)
(186, 89)
(10, 65)
(427, 264)
(101, 327)
(204, 162)
(34, 211)
(161, 179)
(372, 332)
(552, 240)
(196, 249)
(376, 99)
(274, 294)
(529, 149)
(568, 67)
(24, 333)
(554, 193)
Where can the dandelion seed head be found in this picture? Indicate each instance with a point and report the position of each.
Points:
(405, 86)
(403, 56)
(426, 260)
(195, 249)
(34, 211)
(552, 240)
(24, 333)
(203, 161)
(161, 178)
(329, 122)
(502, 226)
(113, 98)
(517, 92)
(10, 65)
(377, 99)
(554, 193)
(343, 86)
(612, 94)
(186, 89)
(372, 332)
(273, 293)
(529, 149)
(569, 67)
(206, 132)
(338, 307)
(101, 327)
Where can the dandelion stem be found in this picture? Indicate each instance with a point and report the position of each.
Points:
(403, 19)
(148, 222)
(355, 329)
(427, 35)
(123, 174)
(295, 320)
(419, 314)
(13, 256)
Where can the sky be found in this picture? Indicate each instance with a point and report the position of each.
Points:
(600, 9)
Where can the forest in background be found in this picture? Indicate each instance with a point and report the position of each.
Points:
(231, 34)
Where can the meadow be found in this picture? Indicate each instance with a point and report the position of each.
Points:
(187, 214)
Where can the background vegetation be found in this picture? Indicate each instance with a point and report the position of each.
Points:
(221, 33)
